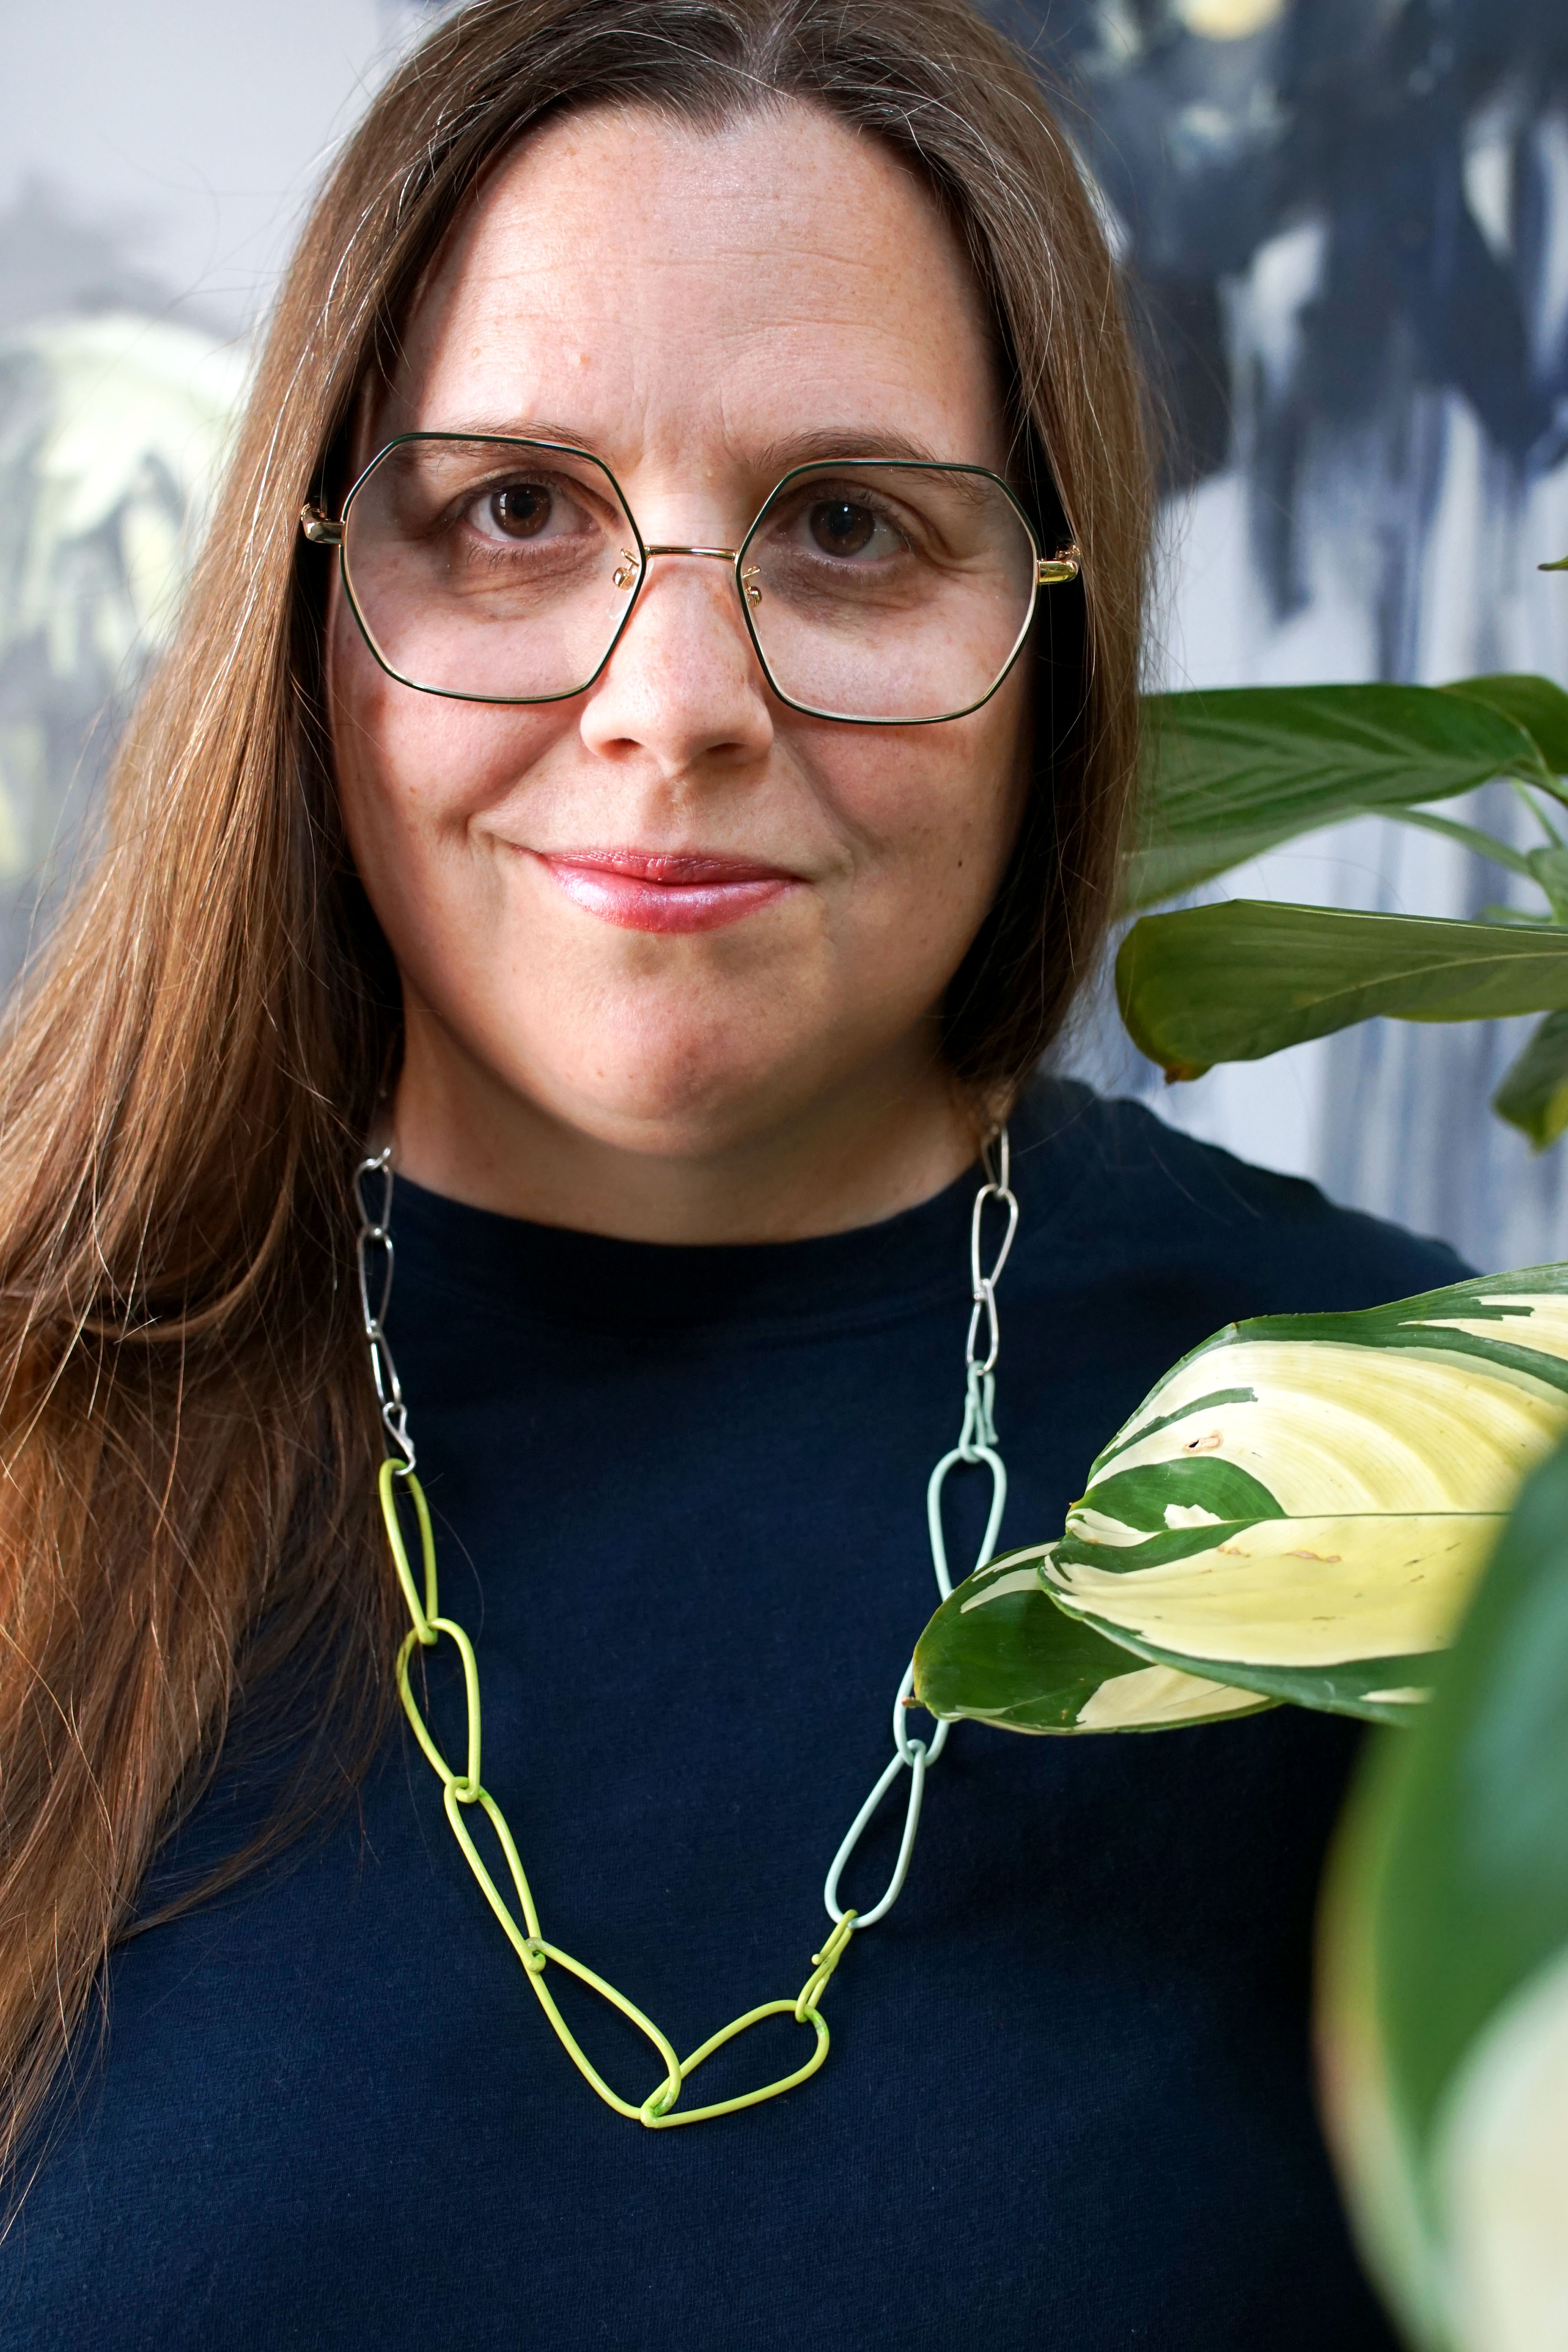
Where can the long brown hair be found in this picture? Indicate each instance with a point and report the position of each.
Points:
(188, 1437)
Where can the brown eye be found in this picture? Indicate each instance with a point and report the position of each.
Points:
(839, 527)
(521, 510)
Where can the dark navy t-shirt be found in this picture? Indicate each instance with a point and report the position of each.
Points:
(680, 1501)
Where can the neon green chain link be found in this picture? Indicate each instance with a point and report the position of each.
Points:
(462, 1789)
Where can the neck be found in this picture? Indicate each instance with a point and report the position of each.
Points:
(877, 1140)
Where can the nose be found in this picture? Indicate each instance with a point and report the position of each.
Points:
(684, 686)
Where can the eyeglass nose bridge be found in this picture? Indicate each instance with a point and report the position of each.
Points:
(628, 568)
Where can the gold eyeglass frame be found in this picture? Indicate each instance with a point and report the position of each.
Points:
(1050, 571)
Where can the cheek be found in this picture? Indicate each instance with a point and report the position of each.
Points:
(413, 770)
(936, 810)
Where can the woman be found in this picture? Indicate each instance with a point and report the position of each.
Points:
(675, 931)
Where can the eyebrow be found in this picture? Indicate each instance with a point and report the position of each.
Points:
(775, 458)
(840, 441)
(512, 428)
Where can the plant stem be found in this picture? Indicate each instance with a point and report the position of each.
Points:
(1469, 836)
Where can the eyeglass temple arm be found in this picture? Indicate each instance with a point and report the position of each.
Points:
(318, 528)
(1052, 571)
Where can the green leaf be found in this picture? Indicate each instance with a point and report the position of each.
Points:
(1235, 772)
(1534, 1094)
(1235, 981)
(1549, 868)
(1443, 2004)
(1000, 1652)
(1539, 705)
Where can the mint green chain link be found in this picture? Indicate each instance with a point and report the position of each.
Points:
(463, 1789)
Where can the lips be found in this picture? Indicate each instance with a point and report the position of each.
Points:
(665, 890)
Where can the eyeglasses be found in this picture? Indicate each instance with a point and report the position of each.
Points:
(887, 593)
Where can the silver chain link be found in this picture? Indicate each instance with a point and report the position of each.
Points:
(375, 1234)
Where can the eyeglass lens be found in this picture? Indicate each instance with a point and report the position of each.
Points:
(502, 572)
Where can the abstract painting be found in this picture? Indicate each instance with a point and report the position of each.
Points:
(1346, 223)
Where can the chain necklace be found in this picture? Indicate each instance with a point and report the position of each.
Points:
(463, 1790)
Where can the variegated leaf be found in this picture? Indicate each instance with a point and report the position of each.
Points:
(1303, 1503)
(1341, 1613)
(1299, 1510)
(1002, 1653)
(1443, 1991)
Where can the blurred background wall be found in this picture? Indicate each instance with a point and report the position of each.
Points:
(1348, 220)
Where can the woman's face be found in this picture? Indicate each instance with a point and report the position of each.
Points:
(700, 310)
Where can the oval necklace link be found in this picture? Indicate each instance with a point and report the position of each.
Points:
(463, 1790)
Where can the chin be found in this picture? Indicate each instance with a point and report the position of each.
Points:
(671, 1071)
(678, 1114)
(675, 1096)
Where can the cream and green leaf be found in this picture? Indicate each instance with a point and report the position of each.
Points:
(1297, 1511)
(1002, 1652)
(1443, 1988)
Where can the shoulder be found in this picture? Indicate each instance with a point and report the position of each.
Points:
(1110, 1188)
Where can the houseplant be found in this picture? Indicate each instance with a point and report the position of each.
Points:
(1309, 1508)
(1232, 774)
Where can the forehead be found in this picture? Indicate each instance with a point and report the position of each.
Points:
(668, 294)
